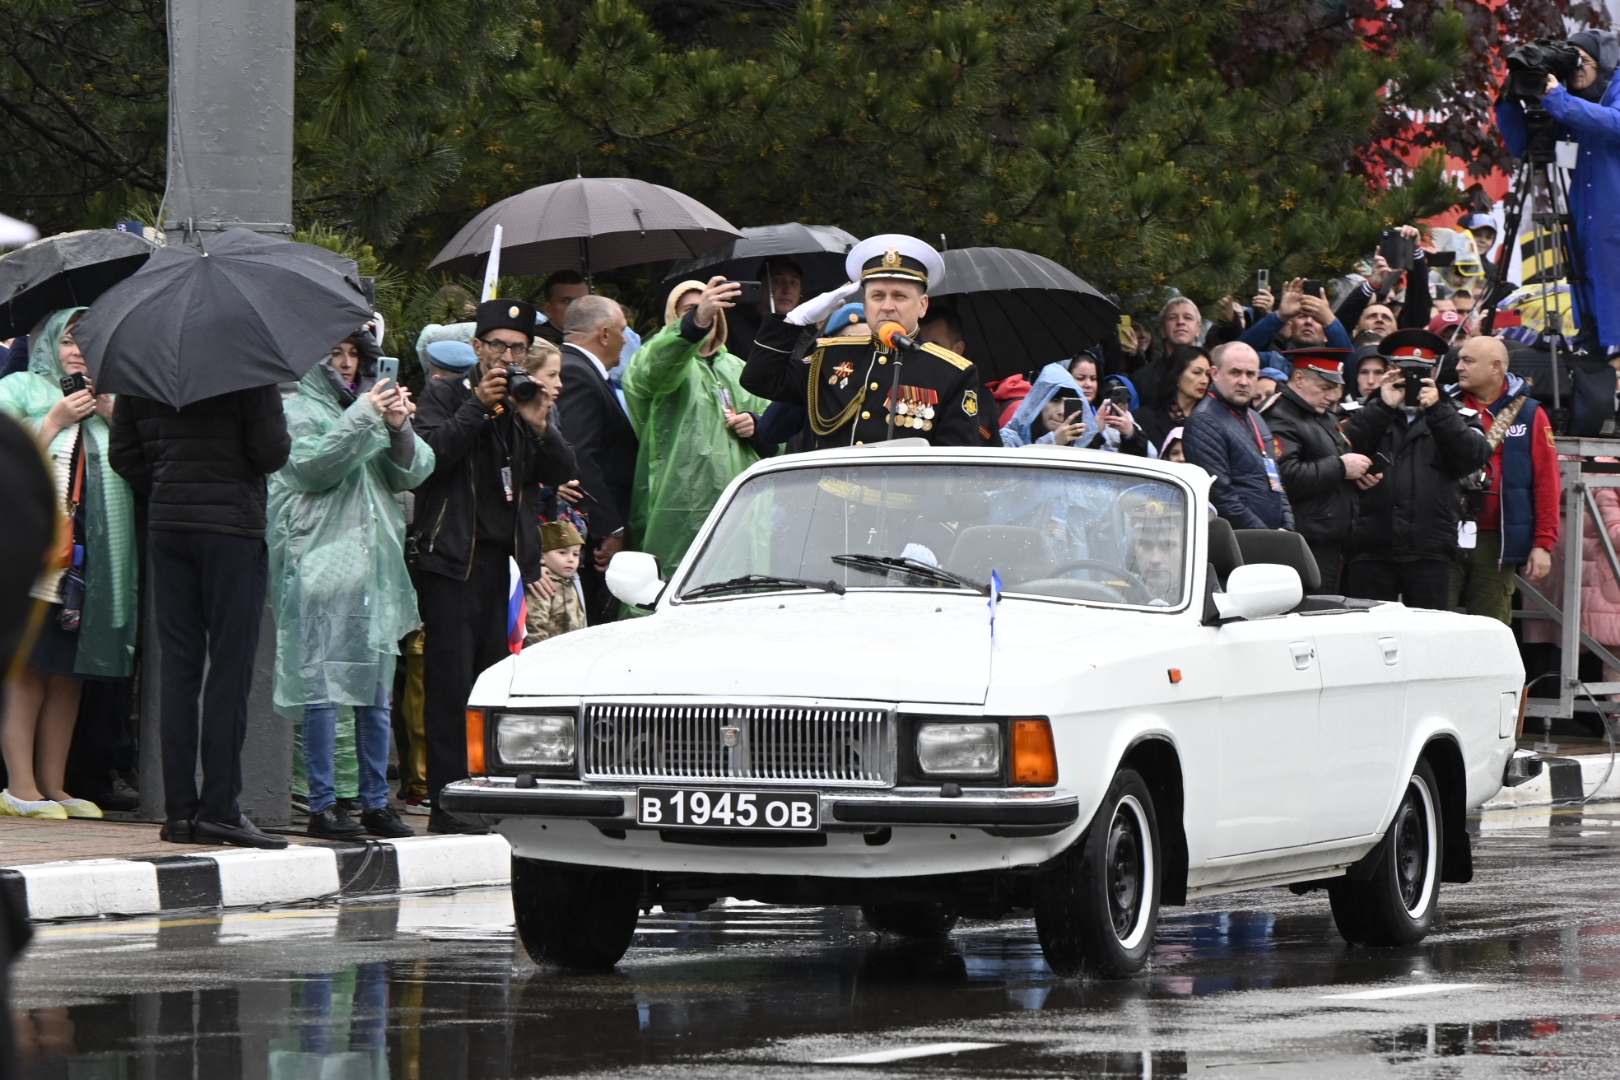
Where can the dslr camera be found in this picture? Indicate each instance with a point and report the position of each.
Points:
(520, 385)
(1529, 65)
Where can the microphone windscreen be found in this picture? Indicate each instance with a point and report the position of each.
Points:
(888, 331)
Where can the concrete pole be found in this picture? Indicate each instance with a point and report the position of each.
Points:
(230, 164)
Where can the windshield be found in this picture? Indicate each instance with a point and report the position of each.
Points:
(1092, 536)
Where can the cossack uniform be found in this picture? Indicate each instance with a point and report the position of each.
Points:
(853, 386)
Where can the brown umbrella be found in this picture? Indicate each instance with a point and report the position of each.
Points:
(587, 224)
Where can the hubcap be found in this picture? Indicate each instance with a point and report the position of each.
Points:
(1411, 850)
(1124, 871)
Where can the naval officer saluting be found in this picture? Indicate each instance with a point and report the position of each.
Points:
(861, 390)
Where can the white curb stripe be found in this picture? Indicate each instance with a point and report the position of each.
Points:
(251, 877)
(1401, 991)
(89, 887)
(879, 1057)
(442, 862)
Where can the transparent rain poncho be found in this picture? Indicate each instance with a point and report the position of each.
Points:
(338, 582)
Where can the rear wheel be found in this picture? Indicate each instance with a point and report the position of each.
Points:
(574, 916)
(912, 921)
(1097, 905)
(1395, 905)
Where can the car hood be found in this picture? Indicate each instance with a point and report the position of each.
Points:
(873, 646)
(869, 646)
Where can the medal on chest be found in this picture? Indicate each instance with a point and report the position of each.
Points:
(841, 374)
(912, 406)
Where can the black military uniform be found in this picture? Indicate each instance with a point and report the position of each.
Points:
(853, 387)
(1310, 461)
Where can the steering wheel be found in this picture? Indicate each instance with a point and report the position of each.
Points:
(1138, 587)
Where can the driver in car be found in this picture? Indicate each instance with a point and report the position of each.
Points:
(1157, 529)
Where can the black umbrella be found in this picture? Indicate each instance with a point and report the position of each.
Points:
(66, 270)
(818, 249)
(586, 224)
(1020, 311)
(250, 310)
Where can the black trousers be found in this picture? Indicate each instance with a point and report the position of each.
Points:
(1424, 583)
(209, 590)
(601, 606)
(463, 632)
(1329, 556)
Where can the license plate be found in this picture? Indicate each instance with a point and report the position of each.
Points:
(727, 808)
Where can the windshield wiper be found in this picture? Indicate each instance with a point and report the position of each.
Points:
(756, 581)
(878, 564)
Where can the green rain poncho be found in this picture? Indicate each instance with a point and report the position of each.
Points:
(687, 454)
(338, 582)
(111, 612)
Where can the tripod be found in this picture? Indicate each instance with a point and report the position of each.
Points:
(1554, 253)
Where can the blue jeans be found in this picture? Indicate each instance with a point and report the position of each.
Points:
(371, 734)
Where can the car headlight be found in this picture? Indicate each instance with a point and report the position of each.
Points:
(542, 741)
(959, 749)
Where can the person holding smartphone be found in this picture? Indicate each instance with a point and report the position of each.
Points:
(337, 560)
(1055, 411)
(1117, 428)
(90, 622)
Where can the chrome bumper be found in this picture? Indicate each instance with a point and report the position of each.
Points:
(1521, 766)
(1002, 812)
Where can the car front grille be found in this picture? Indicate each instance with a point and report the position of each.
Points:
(763, 744)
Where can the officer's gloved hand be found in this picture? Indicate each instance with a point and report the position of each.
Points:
(817, 308)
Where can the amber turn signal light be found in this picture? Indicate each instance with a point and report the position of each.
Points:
(1524, 703)
(475, 742)
(1034, 759)
(1175, 675)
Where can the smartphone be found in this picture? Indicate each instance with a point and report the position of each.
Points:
(1120, 399)
(1125, 333)
(1262, 280)
(1396, 249)
(388, 368)
(751, 291)
(1413, 373)
(1313, 287)
(1380, 462)
(73, 383)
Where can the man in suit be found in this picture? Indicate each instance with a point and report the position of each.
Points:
(605, 445)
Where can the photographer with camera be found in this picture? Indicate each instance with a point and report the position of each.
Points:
(1423, 447)
(493, 443)
(1565, 92)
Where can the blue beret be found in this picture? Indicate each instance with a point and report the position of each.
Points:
(848, 315)
(451, 355)
(1277, 374)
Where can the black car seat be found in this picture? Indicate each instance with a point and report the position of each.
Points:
(1224, 553)
(1277, 546)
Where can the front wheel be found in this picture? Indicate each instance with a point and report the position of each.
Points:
(574, 916)
(1097, 905)
(1396, 903)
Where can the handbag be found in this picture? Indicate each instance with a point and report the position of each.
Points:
(71, 585)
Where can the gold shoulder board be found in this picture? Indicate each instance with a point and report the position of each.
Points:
(962, 363)
(826, 341)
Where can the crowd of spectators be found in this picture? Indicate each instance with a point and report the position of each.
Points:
(390, 531)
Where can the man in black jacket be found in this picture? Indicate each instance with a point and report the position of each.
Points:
(604, 443)
(1230, 441)
(1318, 467)
(202, 469)
(478, 510)
(1405, 536)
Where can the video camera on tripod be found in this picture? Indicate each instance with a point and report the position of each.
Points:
(1530, 64)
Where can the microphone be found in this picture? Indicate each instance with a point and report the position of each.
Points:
(893, 336)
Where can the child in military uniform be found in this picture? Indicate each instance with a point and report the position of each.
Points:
(560, 544)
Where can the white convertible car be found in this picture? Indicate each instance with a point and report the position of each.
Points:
(940, 683)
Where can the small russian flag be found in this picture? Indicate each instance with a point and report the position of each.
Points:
(517, 610)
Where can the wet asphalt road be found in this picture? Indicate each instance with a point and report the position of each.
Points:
(1522, 978)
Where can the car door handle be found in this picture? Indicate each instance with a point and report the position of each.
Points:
(1303, 652)
(1392, 650)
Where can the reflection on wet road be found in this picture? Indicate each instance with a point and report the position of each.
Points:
(1521, 978)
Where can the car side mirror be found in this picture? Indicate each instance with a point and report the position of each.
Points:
(1256, 590)
(632, 576)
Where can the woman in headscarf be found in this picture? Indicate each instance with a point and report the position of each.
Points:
(696, 423)
(338, 583)
(89, 623)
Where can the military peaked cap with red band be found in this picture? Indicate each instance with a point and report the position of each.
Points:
(1328, 363)
(1413, 345)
